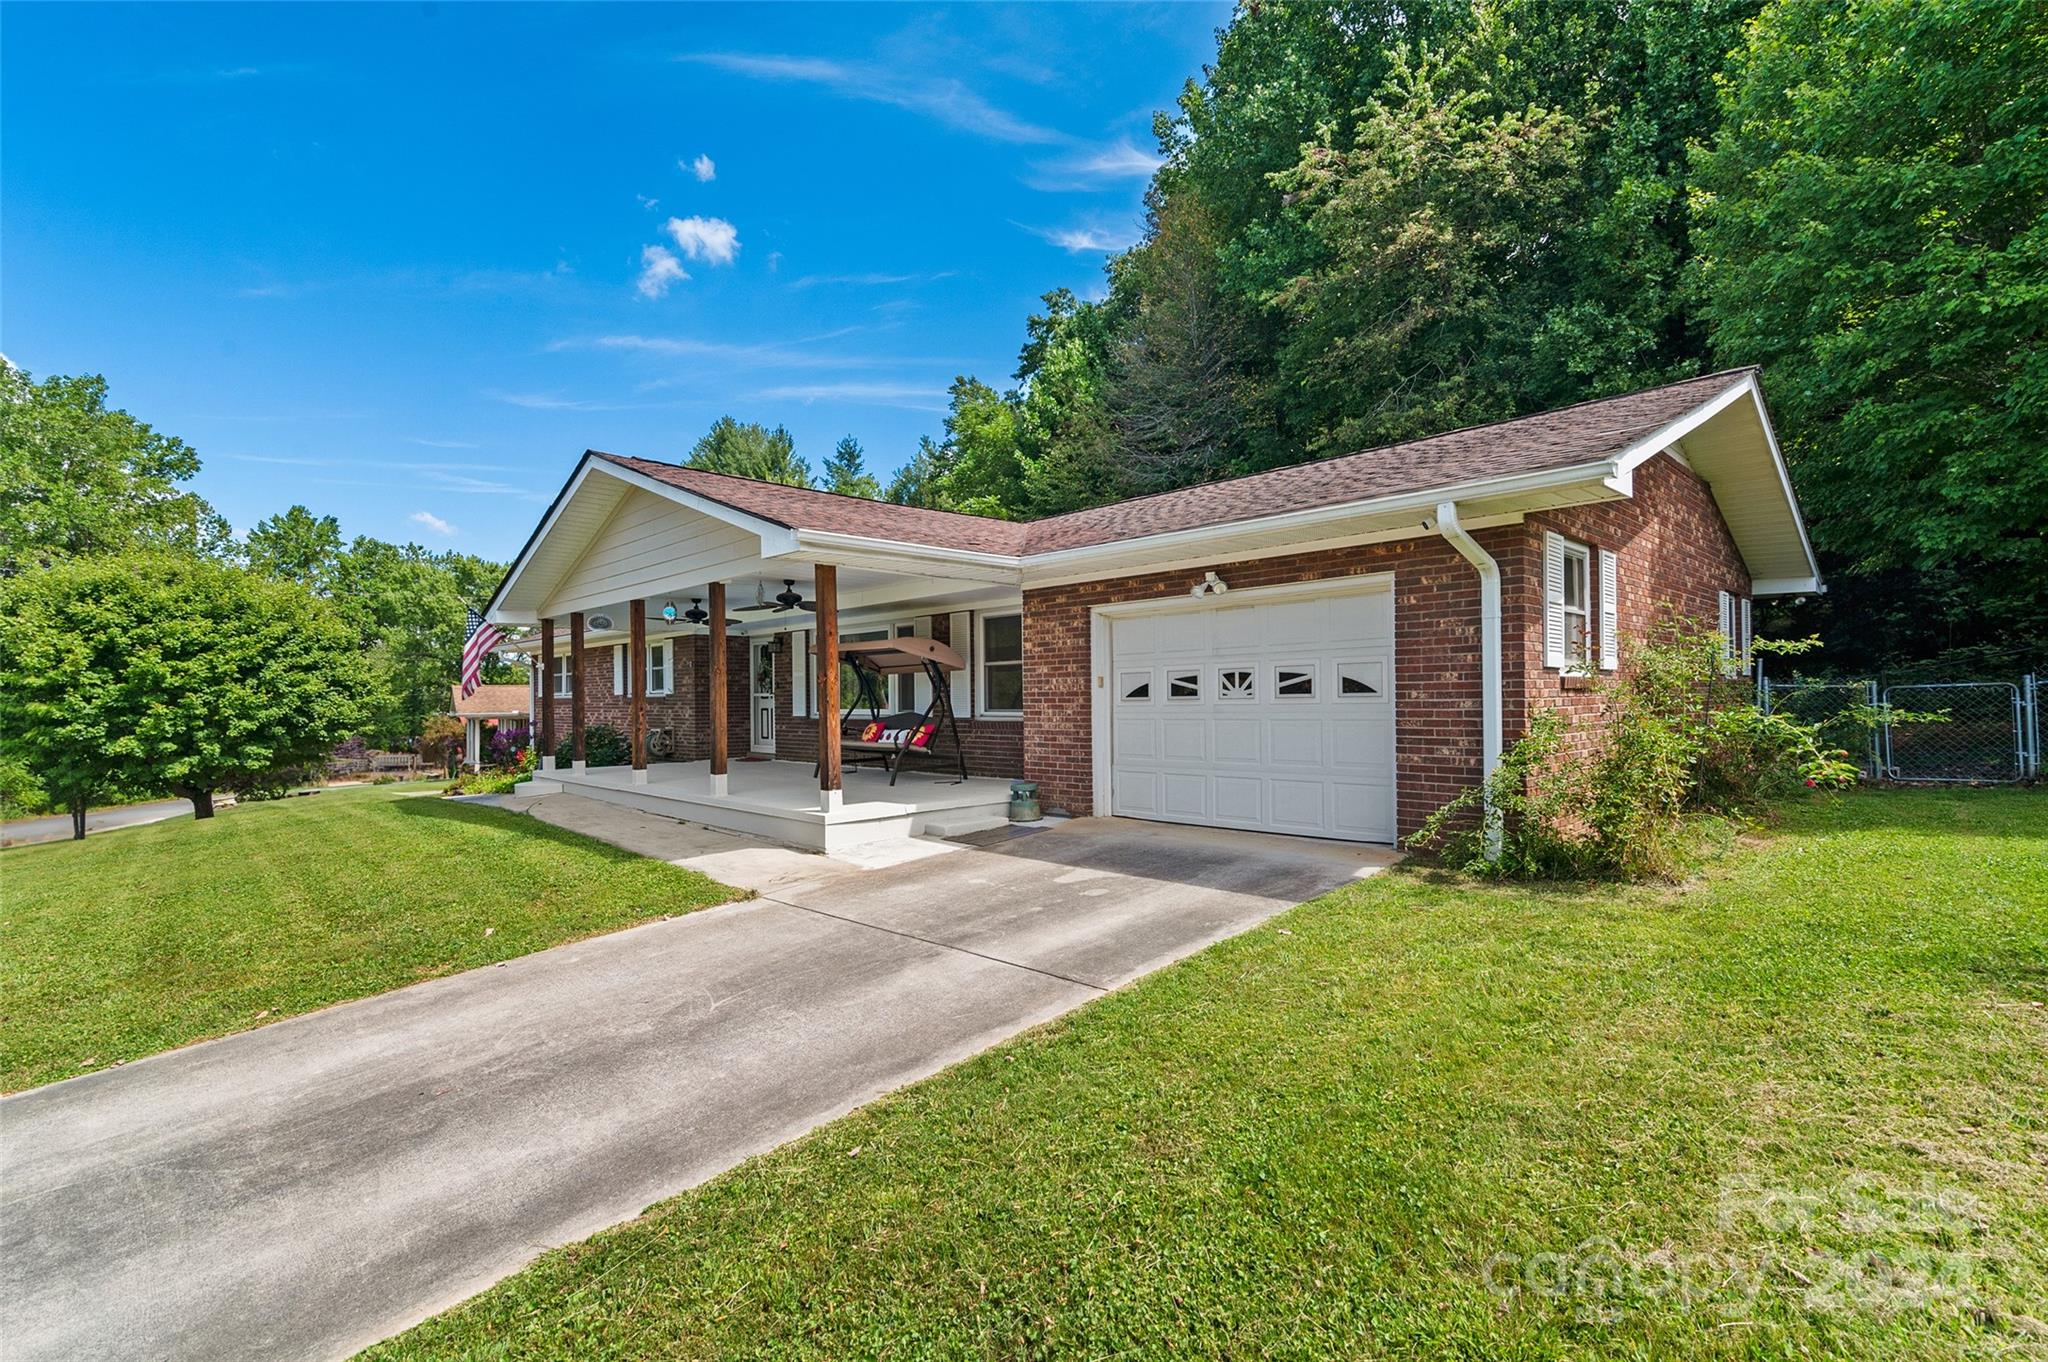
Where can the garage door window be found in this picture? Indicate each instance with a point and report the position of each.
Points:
(1236, 683)
(1294, 683)
(1184, 685)
(1134, 686)
(1360, 680)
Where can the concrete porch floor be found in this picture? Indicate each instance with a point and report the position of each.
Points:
(780, 800)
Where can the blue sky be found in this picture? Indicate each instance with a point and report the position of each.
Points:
(403, 264)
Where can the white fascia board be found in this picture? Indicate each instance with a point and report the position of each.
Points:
(895, 555)
(1650, 446)
(1749, 389)
(1210, 541)
(1788, 586)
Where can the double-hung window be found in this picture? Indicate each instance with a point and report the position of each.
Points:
(660, 658)
(560, 663)
(1000, 659)
(1567, 604)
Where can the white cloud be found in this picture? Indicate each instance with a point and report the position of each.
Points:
(430, 521)
(443, 444)
(866, 280)
(704, 168)
(1081, 240)
(1089, 168)
(713, 241)
(914, 397)
(659, 268)
(939, 97)
(649, 204)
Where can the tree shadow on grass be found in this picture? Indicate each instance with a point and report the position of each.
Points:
(505, 820)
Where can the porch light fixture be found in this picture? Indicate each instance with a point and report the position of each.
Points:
(1210, 585)
(600, 621)
(668, 612)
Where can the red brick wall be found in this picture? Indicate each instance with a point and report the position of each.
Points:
(1673, 556)
(683, 711)
(1436, 662)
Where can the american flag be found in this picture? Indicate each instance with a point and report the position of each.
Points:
(481, 638)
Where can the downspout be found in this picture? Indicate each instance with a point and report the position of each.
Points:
(1489, 660)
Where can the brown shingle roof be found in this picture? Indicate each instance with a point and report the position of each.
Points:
(490, 700)
(803, 508)
(1585, 433)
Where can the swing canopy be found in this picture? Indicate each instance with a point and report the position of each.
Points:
(895, 656)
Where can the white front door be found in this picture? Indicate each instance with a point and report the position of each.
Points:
(1276, 715)
(761, 655)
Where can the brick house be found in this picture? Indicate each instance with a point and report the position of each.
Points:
(1331, 649)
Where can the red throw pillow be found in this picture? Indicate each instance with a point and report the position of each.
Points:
(871, 732)
(922, 736)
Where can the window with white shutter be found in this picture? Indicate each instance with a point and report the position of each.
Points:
(1727, 624)
(1567, 604)
(618, 669)
(660, 659)
(1745, 631)
(1610, 612)
(803, 675)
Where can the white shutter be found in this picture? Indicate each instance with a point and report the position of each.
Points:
(618, 669)
(800, 688)
(960, 628)
(1727, 625)
(1745, 630)
(1610, 613)
(1553, 600)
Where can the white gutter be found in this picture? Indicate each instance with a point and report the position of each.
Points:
(1489, 657)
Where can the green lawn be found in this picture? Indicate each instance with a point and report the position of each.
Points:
(1796, 1108)
(141, 939)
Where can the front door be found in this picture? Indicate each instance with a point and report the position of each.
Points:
(761, 653)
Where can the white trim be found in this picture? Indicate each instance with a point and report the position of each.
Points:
(566, 680)
(982, 708)
(1425, 501)
(1650, 446)
(618, 669)
(1786, 586)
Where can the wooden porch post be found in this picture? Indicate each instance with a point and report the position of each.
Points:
(546, 701)
(576, 689)
(715, 672)
(636, 685)
(826, 593)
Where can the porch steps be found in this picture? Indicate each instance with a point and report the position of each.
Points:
(964, 822)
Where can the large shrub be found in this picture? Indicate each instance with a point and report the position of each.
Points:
(603, 745)
(1680, 736)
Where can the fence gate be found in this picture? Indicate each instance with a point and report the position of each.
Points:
(1981, 738)
(1988, 732)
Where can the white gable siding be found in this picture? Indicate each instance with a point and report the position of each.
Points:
(648, 544)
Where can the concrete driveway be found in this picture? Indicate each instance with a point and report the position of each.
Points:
(308, 1188)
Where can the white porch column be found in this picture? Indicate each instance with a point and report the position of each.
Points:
(474, 744)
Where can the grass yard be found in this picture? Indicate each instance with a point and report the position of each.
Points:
(1796, 1108)
(141, 939)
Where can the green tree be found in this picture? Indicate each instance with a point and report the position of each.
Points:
(922, 479)
(409, 609)
(1444, 228)
(846, 471)
(986, 471)
(80, 478)
(296, 546)
(748, 450)
(1874, 231)
(172, 672)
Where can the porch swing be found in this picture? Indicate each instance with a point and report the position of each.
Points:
(890, 739)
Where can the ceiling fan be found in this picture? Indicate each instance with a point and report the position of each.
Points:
(696, 614)
(789, 598)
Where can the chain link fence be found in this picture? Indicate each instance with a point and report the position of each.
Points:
(1957, 732)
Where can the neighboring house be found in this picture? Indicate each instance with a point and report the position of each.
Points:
(488, 707)
(1334, 648)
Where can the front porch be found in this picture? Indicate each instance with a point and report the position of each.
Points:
(782, 801)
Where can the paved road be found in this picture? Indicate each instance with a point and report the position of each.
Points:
(57, 827)
(305, 1189)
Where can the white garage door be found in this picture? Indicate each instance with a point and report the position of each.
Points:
(1275, 715)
